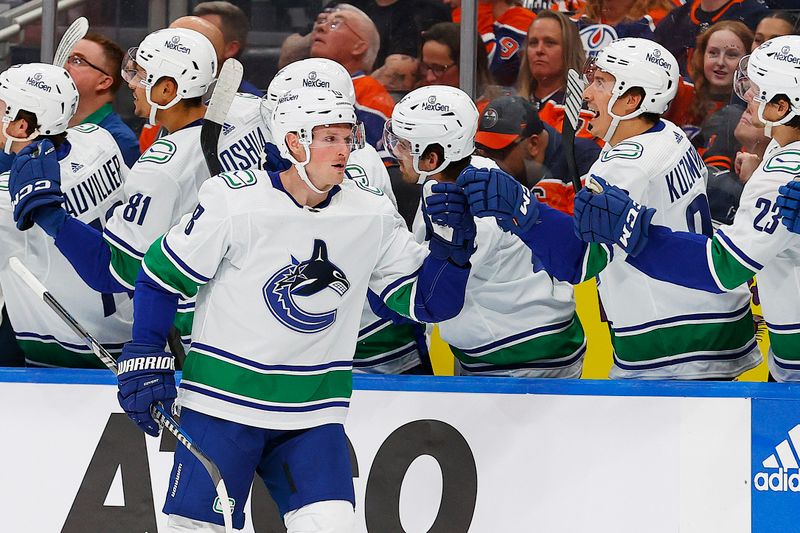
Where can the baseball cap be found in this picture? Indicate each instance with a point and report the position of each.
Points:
(505, 119)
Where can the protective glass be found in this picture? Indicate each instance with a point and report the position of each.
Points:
(327, 139)
(743, 86)
(589, 68)
(131, 72)
(399, 148)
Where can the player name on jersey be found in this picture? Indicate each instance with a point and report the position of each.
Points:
(92, 190)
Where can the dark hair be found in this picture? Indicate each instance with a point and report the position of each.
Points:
(194, 101)
(33, 123)
(638, 91)
(449, 34)
(113, 57)
(795, 121)
(453, 168)
(792, 19)
(235, 23)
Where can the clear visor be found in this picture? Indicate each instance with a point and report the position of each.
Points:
(325, 136)
(743, 86)
(131, 72)
(589, 68)
(398, 147)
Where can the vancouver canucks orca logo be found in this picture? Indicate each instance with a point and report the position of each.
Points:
(305, 278)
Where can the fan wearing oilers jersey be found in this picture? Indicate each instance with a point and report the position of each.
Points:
(756, 244)
(82, 171)
(516, 319)
(387, 344)
(281, 263)
(658, 330)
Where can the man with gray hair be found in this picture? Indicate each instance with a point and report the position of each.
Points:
(235, 25)
(345, 34)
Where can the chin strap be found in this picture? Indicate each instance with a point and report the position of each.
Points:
(768, 125)
(301, 169)
(155, 107)
(10, 140)
(615, 119)
(423, 174)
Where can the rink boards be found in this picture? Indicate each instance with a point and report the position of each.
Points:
(443, 455)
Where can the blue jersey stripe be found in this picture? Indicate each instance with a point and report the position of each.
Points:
(122, 244)
(341, 365)
(546, 364)
(518, 336)
(24, 335)
(752, 263)
(261, 407)
(682, 318)
(172, 255)
(697, 357)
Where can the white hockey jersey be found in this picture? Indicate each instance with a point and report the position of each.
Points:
(660, 330)
(757, 243)
(92, 178)
(281, 292)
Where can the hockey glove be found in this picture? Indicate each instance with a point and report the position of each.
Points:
(449, 226)
(146, 376)
(611, 217)
(493, 193)
(789, 205)
(35, 182)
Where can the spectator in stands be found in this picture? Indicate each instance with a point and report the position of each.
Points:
(95, 65)
(439, 55)
(553, 47)
(235, 25)
(485, 22)
(400, 23)
(399, 74)
(511, 23)
(775, 24)
(345, 34)
(679, 30)
(712, 67)
(603, 21)
(511, 133)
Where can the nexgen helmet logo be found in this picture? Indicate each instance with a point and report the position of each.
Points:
(786, 55)
(433, 105)
(36, 81)
(655, 57)
(175, 44)
(313, 81)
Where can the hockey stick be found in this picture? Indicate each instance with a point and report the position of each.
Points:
(572, 102)
(224, 91)
(76, 31)
(158, 412)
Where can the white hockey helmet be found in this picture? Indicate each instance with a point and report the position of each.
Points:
(300, 111)
(313, 72)
(45, 90)
(772, 69)
(181, 54)
(637, 62)
(436, 114)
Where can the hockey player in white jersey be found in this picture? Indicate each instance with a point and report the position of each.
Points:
(756, 244)
(658, 330)
(85, 163)
(516, 320)
(281, 264)
(387, 344)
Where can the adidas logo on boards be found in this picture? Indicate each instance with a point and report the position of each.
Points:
(75, 166)
(784, 471)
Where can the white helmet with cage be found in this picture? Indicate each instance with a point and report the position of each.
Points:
(773, 69)
(181, 54)
(45, 90)
(436, 114)
(299, 111)
(637, 62)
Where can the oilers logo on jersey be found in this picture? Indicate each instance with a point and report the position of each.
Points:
(305, 278)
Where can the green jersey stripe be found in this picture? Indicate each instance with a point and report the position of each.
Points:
(52, 354)
(669, 341)
(123, 266)
(556, 345)
(283, 388)
(385, 340)
(785, 345)
(163, 270)
(726, 268)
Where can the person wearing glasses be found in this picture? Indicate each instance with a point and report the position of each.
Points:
(345, 34)
(95, 66)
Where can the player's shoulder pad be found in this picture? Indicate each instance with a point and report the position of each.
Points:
(159, 153)
(784, 162)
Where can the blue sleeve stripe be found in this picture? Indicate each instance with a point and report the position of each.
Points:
(783, 327)
(737, 252)
(178, 262)
(372, 328)
(396, 284)
(254, 365)
(122, 245)
(186, 307)
(694, 317)
(152, 276)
